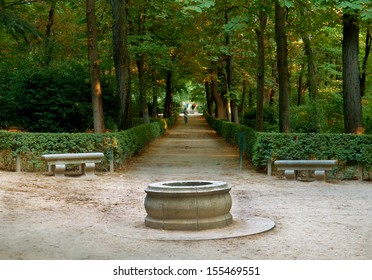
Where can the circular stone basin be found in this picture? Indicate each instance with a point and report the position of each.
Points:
(188, 205)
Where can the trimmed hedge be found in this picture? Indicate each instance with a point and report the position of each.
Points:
(229, 131)
(117, 145)
(348, 149)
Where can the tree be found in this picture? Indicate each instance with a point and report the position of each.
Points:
(311, 61)
(220, 113)
(121, 59)
(363, 77)
(282, 64)
(351, 79)
(260, 69)
(94, 68)
(141, 79)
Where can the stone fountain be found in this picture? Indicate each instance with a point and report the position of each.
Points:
(188, 205)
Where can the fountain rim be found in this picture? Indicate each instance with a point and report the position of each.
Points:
(186, 186)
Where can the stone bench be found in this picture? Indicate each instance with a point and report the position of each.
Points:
(87, 161)
(291, 167)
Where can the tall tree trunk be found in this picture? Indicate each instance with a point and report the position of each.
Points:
(48, 34)
(251, 97)
(141, 73)
(244, 97)
(311, 68)
(232, 110)
(169, 95)
(299, 87)
(154, 111)
(94, 67)
(364, 63)
(225, 95)
(50, 22)
(142, 89)
(209, 97)
(282, 63)
(220, 113)
(311, 61)
(350, 72)
(260, 70)
(121, 58)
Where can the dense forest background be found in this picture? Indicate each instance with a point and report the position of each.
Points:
(299, 66)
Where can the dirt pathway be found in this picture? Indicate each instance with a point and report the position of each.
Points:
(42, 217)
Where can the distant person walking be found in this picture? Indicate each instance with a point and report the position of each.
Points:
(185, 115)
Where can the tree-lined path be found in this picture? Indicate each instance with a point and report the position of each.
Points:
(188, 151)
(43, 217)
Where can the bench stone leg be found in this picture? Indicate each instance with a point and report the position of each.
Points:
(290, 174)
(319, 174)
(59, 170)
(88, 169)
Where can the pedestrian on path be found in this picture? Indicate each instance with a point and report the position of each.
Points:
(185, 115)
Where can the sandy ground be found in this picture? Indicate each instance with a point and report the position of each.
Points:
(43, 217)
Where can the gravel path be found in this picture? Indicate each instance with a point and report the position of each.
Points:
(43, 217)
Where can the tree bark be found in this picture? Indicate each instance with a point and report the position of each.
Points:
(231, 102)
(350, 72)
(209, 97)
(311, 68)
(244, 98)
(364, 63)
(220, 114)
(141, 74)
(142, 89)
(154, 111)
(48, 35)
(94, 68)
(234, 111)
(168, 105)
(311, 61)
(300, 87)
(282, 64)
(260, 70)
(121, 59)
(50, 22)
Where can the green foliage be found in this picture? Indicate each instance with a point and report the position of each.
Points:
(348, 149)
(229, 131)
(122, 145)
(305, 118)
(182, 36)
(18, 27)
(53, 99)
(270, 118)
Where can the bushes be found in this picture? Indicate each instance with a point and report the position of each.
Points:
(51, 99)
(348, 149)
(121, 145)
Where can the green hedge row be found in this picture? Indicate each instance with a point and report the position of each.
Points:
(348, 149)
(118, 146)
